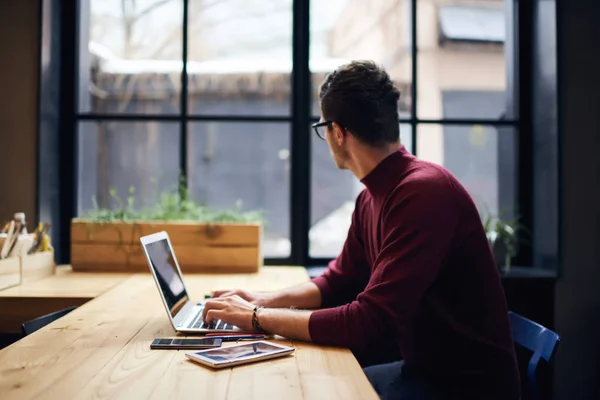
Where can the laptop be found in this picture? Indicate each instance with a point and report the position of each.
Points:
(185, 315)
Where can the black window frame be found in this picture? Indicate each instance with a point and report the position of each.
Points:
(299, 119)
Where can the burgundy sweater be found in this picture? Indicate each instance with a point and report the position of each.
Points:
(417, 271)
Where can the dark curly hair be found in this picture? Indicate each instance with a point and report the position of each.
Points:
(361, 97)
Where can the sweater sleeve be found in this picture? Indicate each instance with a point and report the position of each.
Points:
(417, 232)
(348, 274)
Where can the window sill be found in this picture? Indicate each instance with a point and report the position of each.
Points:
(529, 273)
(513, 273)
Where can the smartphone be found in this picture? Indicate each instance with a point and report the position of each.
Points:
(185, 343)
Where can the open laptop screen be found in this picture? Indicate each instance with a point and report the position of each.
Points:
(169, 280)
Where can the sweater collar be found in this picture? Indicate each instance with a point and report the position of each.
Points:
(386, 174)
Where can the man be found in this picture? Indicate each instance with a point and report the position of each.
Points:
(416, 277)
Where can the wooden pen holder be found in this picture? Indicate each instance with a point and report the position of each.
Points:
(28, 268)
(10, 272)
(37, 265)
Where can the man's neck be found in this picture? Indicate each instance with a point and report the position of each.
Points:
(365, 159)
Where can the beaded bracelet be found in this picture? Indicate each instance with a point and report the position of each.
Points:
(255, 323)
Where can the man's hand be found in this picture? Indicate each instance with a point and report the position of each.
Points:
(236, 311)
(256, 298)
(305, 295)
(233, 310)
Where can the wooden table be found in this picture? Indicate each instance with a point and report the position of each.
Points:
(102, 350)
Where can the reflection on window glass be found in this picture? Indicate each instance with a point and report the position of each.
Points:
(122, 160)
(461, 66)
(132, 63)
(379, 30)
(233, 164)
(333, 193)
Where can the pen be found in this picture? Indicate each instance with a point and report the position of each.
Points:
(234, 334)
(10, 241)
(231, 338)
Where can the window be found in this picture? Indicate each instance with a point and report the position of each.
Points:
(240, 57)
(480, 156)
(225, 126)
(462, 61)
(117, 158)
(132, 63)
(212, 91)
(247, 164)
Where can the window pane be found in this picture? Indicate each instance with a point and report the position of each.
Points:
(483, 158)
(240, 57)
(344, 30)
(130, 57)
(333, 195)
(116, 156)
(235, 162)
(461, 61)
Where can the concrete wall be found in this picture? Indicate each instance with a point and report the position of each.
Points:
(19, 47)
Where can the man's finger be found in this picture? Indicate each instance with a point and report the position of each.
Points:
(224, 293)
(214, 304)
(214, 314)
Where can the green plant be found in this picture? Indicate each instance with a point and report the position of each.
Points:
(174, 205)
(503, 236)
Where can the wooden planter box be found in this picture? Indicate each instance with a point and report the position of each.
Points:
(199, 247)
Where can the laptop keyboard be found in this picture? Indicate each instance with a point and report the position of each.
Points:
(198, 323)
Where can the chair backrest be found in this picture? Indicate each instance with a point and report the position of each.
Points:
(31, 326)
(536, 338)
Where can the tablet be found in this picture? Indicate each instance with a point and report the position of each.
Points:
(225, 357)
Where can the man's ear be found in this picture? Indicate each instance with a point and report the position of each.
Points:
(338, 132)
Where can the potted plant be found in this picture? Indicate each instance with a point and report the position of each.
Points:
(502, 236)
(204, 239)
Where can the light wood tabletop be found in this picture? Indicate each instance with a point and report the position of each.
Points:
(63, 289)
(102, 350)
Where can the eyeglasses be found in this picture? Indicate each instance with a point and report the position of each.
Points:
(320, 128)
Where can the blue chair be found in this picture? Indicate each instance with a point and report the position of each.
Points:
(536, 338)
